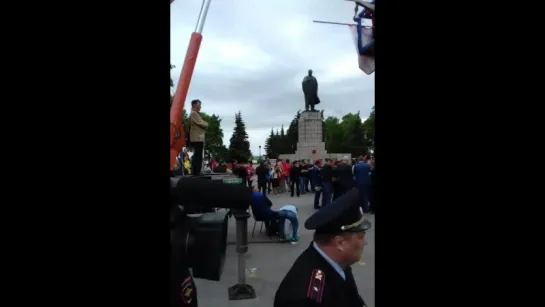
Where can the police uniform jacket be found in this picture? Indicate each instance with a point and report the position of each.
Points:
(313, 281)
(323, 287)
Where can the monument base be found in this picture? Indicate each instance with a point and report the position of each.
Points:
(310, 145)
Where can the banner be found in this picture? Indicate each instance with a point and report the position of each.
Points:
(366, 63)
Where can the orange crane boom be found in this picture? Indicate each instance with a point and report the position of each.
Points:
(177, 136)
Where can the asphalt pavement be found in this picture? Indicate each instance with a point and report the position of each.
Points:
(267, 263)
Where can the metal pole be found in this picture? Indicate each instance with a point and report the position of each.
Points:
(334, 23)
(242, 245)
(202, 16)
(241, 291)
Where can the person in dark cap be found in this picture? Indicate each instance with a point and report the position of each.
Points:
(339, 238)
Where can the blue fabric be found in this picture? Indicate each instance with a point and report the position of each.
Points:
(361, 173)
(362, 49)
(363, 190)
(333, 264)
(327, 193)
(316, 178)
(305, 185)
(286, 214)
(260, 206)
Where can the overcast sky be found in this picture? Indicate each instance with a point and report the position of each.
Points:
(254, 55)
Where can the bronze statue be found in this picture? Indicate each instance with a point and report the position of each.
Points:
(310, 89)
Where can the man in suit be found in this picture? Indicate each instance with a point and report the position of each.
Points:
(372, 207)
(262, 172)
(197, 129)
(317, 183)
(326, 174)
(363, 182)
(344, 178)
(295, 175)
(339, 238)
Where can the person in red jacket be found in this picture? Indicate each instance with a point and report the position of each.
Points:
(286, 168)
(250, 169)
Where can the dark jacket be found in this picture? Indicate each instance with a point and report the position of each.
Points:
(306, 170)
(312, 282)
(261, 171)
(316, 176)
(240, 172)
(261, 206)
(327, 173)
(343, 173)
(372, 177)
(295, 172)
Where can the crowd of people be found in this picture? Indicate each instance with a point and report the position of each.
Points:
(334, 178)
(185, 165)
(327, 179)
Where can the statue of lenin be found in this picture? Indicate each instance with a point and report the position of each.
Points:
(310, 89)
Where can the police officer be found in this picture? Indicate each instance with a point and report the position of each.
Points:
(182, 286)
(322, 275)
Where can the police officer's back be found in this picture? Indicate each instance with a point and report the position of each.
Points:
(322, 276)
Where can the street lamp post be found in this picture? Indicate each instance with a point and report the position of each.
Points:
(260, 152)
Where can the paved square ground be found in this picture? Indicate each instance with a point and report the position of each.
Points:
(272, 261)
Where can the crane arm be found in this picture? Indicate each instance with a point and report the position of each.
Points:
(177, 138)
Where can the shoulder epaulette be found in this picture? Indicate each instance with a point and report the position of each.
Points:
(316, 286)
(186, 290)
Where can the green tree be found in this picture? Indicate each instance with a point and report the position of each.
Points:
(222, 153)
(292, 134)
(269, 149)
(283, 147)
(171, 83)
(346, 135)
(185, 122)
(353, 140)
(369, 129)
(276, 144)
(333, 134)
(239, 147)
(213, 145)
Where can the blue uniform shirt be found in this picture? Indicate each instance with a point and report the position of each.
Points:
(335, 266)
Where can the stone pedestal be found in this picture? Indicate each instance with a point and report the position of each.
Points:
(310, 145)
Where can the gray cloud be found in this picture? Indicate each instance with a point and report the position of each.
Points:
(254, 55)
